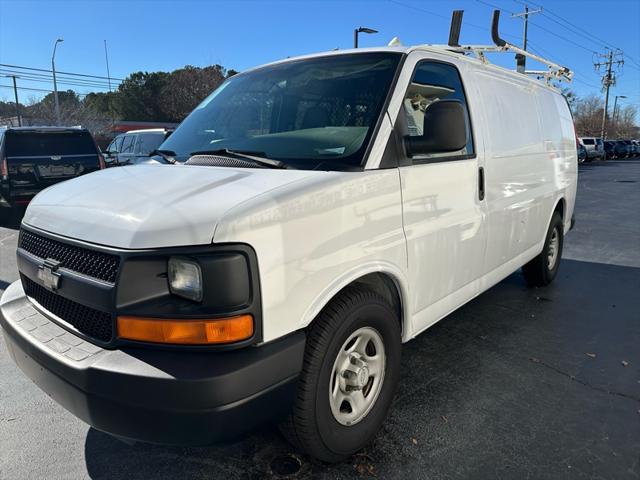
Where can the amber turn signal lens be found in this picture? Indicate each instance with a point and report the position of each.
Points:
(186, 332)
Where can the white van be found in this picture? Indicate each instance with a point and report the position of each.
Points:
(330, 208)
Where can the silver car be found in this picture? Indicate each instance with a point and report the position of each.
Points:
(135, 147)
(594, 147)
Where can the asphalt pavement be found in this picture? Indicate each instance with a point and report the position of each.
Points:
(519, 383)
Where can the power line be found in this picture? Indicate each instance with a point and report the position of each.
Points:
(57, 72)
(44, 78)
(590, 35)
(37, 77)
(38, 90)
(495, 6)
(545, 53)
(419, 9)
(563, 38)
(27, 88)
(575, 29)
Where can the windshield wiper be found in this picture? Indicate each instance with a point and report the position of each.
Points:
(167, 155)
(257, 157)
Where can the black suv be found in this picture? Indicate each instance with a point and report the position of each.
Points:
(33, 158)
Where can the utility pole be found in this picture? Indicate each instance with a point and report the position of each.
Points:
(610, 59)
(521, 59)
(15, 93)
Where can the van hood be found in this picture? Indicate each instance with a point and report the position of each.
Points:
(150, 206)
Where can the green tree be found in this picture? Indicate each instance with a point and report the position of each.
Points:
(185, 88)
(140, 96)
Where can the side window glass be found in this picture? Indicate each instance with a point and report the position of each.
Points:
(127, 144)
(431, 82)
(118, 143)
(113, 146)
(147, 142)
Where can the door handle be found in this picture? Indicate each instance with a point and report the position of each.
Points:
(481, 183)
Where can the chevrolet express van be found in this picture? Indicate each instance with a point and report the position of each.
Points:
(328, 209)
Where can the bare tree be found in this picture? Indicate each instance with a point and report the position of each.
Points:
(624, 125)
(587, 115)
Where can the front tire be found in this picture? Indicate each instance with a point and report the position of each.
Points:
(349, 377)
(543, 269)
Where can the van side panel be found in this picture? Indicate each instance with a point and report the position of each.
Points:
(560, 144)
(526, 164)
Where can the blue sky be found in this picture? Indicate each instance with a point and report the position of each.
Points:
(164, 35)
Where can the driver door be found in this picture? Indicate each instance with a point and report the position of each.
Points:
(444, 212)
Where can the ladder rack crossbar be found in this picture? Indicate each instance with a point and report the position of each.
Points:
(554, 71)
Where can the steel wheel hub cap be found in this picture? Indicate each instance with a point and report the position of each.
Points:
(357, 376)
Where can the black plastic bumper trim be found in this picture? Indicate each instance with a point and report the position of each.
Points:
(157, 396)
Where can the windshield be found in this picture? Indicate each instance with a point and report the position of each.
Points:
(304, 113)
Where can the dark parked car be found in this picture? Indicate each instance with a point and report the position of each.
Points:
(135, 146)
(609, 149)
(33, 158)
(629, 148)
(620, 149)
(582, 153)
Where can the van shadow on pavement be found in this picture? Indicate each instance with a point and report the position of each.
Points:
(519, 382)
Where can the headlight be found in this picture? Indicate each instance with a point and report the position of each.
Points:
(185, 278)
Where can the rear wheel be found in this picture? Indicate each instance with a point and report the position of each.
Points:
(543, 269)
(350, 374)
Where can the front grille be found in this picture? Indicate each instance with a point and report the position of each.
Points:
(91, 322)
(100, 265)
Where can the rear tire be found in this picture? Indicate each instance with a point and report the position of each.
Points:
(353, 343)
(543, 269)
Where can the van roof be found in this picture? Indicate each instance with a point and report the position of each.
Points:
(405, 50)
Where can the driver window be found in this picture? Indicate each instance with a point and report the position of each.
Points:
(115, 145)
(433, 81)
(127, 144)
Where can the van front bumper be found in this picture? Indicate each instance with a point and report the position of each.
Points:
(152, 395)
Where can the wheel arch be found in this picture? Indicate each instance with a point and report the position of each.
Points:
(561, 208)
(386, 280)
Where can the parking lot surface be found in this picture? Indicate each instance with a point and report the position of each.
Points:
(519, 383)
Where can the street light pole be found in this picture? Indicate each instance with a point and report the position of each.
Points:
(55, 85)
(615, 111)
(361, 30)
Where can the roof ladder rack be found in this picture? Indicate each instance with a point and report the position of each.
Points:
(553, 72)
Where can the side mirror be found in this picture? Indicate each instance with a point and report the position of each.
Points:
(444, 129)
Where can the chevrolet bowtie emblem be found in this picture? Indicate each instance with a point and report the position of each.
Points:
(48, 273)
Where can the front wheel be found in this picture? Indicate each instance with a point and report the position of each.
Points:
(349, 377)
(543, 269)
